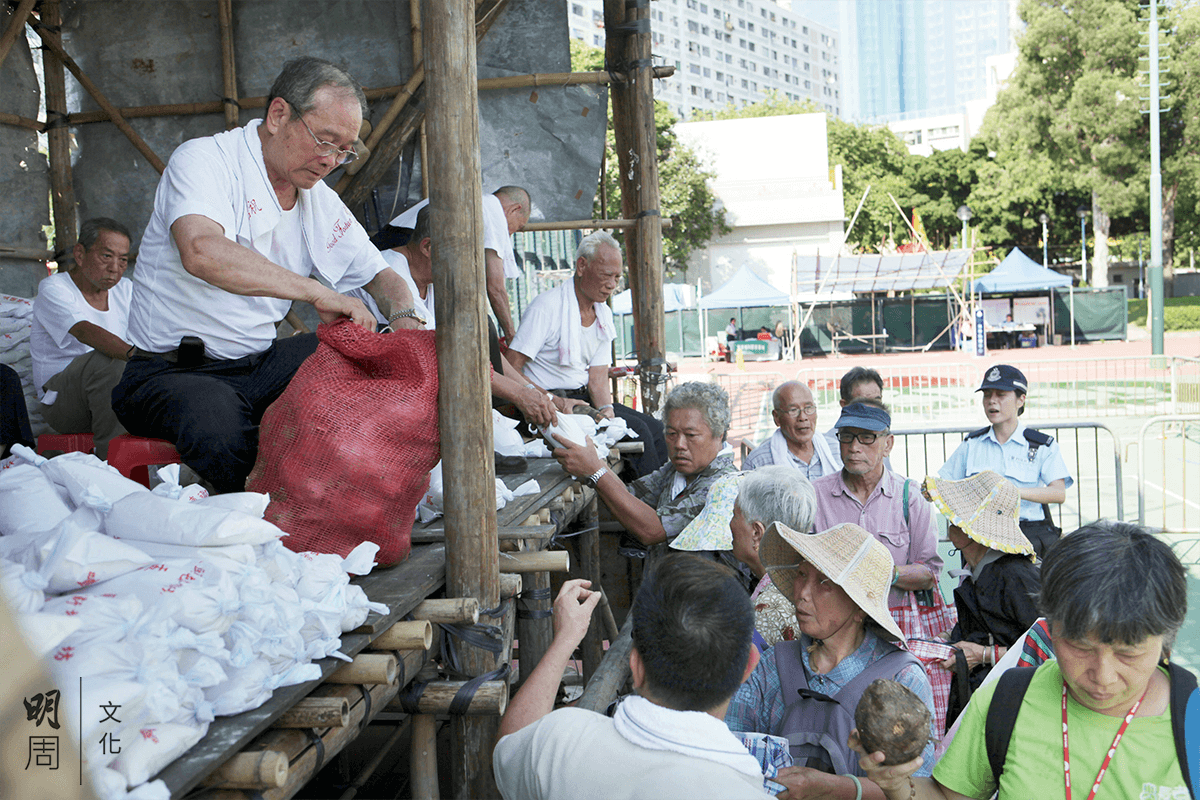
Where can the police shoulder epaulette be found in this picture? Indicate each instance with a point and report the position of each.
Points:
(1037, 437)
(980, 432)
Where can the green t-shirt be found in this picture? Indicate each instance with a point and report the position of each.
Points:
(1144, 767)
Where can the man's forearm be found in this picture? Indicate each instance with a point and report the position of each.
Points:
(100, 339)
(635, 516)
(536, 697)
(1056, 492)
(498, 294)
(390, 292)
(240, 270)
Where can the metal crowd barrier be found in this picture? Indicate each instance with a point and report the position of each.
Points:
(1097, 492)
(1176, 484)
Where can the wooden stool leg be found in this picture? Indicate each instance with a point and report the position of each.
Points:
(589, 568)
(423, 759)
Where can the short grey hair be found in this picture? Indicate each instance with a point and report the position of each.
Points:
(89, 231)
(1115, 582)
(708, 398)
(420, 227)
(591, 244)
(783, 387)
(516, 194)
(301, 78)
(776, 493)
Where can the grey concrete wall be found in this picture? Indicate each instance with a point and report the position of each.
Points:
(24, 172)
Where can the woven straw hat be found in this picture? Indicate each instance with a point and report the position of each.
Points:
(710, 529)
(985, 506)
(847, 555)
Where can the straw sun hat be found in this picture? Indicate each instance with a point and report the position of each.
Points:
(847, 555)
(985, 506)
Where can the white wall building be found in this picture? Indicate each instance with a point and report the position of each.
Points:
(730, 52)
(789, 202)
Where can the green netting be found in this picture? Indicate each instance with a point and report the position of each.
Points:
(1099, 314)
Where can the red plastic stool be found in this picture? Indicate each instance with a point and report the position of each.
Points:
(132, 456)
(65, 443)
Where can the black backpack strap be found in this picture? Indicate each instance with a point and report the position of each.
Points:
(790, 667)
(1183, 684)
(1002, 715)
(978, 433)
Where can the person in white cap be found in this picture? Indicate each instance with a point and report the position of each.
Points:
(1028, 458)
(807, 690)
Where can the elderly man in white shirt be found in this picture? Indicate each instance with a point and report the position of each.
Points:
(241, 223)
(795, 443)
(505, 211)
(564, 344)
(78, 339)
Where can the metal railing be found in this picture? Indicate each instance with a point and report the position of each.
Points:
(1059, 388)
(1097, 490)
(749, 402)
(1176, 484)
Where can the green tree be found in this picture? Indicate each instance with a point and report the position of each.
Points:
(683, 180)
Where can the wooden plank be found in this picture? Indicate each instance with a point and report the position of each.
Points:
(437, 533)
(228, 63)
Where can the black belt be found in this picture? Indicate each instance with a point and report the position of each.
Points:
(171, 356)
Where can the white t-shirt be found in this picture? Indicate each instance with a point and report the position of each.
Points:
(579, 754)
(399, 264)
(59, 305)
(495, 231)
(537, 338)
(222, 177)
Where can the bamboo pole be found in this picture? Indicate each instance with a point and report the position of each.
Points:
(22, 122)
(418, 50)
(265, 769)
(15, 28)
(247, 103)
(536, 561)
(228, 63)
(635, 134)
(612, 673)
(422, 760)
(55, 46)
(316, 712)
(592, 646)
(490, 699)
(535, 633)
(510, 585)
(366, 668)
(450, 611)
(456, 212)
(62, 189)
(406, 635)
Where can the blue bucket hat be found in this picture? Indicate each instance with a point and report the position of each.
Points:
(864, 416)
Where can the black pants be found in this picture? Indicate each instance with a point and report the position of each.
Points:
(649, 430)
(14, 416)
(1041, 533)
(210, 412)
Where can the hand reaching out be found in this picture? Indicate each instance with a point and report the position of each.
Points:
(573, 611)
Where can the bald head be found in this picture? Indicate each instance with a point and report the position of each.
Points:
(795, 413)
(516, 204)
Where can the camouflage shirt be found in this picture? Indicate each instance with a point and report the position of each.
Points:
(655, 491)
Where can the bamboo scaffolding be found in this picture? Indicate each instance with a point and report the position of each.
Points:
(228, 69)
(15, 28)
(62, 189)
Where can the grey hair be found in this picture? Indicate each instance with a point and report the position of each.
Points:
(301, 78)
(1115, 582)
(781, 388)
(516, 194)
(89, 231)
(708, 398)
(858, 375)
(777, 493)
(420, 227)
(590, 245)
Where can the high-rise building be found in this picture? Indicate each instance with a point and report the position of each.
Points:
(731, 52)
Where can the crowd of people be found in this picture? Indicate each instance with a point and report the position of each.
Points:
(775, 595)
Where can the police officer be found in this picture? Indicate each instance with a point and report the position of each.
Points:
(1029, 458)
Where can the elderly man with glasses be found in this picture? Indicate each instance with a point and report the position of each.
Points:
(795, 443)
(890, 506)
(243, 226)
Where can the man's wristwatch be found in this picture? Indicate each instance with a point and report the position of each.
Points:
(593, 479)
(409, 312)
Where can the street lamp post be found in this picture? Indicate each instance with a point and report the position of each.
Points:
(964, 213)
(1083, 212)
(1044, 219)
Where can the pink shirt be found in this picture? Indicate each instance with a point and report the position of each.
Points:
(883, 516)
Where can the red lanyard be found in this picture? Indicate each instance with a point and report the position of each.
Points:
(1111, 750)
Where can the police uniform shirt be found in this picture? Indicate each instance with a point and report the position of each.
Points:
(1018, 460)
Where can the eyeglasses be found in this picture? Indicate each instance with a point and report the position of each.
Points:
(326, 149)
(795, 411)
(866, 437)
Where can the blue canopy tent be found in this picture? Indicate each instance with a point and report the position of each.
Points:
(744, 290)
(675, 298)
(1020, 273)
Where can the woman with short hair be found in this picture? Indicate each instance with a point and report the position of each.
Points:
(656, 508)
(1099, 716)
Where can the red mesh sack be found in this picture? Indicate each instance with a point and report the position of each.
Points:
(346, 450)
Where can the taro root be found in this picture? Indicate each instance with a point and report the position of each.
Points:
(892, 719)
